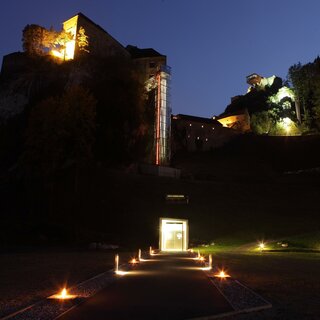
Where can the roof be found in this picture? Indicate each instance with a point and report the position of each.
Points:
(137, 53)
(195, 119)
(80, 14)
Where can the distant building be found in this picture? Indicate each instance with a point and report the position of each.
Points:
(191, 133)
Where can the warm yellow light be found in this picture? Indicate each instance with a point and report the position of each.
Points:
(57, 54)
(63, 295)
(261, 245)
(222, 275)
(121, 273)
(133, 261)
(69, 50)
(202, 259)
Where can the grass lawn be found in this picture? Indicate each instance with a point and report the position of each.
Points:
(28, 277)
(289, 280)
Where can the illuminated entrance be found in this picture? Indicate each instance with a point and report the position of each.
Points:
(174, 234)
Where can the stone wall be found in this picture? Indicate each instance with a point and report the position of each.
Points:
(198, 134)
(101, 43)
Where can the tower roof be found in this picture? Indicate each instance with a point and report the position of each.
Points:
(137, 53)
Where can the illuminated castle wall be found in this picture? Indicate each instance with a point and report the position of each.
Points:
(101, 43)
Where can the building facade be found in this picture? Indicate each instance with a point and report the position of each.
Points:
(190, 133)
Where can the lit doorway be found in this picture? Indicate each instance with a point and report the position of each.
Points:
(173, 234)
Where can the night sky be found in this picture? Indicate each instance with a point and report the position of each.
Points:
(211, 45)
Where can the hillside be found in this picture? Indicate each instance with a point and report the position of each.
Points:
(117, 206)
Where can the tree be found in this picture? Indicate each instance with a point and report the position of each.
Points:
(60, 131)
(33, 39)
(123, 117)
(306, 82)
(38, 41)
(262, 122)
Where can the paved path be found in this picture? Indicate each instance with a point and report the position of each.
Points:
(164, 287)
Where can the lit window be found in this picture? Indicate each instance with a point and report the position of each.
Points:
(190, 125)
(206, 139)
(212, 128)
(188, 135)
(198, 138)
(202, 126)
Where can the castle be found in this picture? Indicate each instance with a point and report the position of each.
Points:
(80, 34)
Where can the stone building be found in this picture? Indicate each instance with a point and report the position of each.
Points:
(190, 133)
(148, 61)
(82, 34)
(100, 42)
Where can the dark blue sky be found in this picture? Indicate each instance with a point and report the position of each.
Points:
(211, 45)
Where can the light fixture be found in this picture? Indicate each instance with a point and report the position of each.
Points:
(222, 275)
(63, 295)
(116, 267)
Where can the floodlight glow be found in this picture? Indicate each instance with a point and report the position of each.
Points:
(261, 245)
(133, 261)
(202, 259)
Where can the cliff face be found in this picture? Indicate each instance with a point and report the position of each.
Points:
(25, 81)
(13, 92)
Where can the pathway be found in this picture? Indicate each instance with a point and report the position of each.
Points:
(163, 287)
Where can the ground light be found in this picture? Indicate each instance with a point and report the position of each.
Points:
(116, 266)
(151, 252)
(209, 267)
(198, 255)
(133, 261)
(261, 246)
(63, 295)
(222, 275)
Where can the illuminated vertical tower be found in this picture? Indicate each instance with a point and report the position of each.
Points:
(162, 116)
(155, 74)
